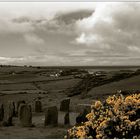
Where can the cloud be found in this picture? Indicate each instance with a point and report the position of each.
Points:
(71, 17)
(7, 26)
(105, 33)
(113, 27)
(87, 39)
(50, 60)
(10, 60)
(27, 14)
(41, 19)
(134, 49)
(33, 39)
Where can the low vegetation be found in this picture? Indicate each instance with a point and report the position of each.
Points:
(116, 117)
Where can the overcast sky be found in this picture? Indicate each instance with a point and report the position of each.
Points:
(70, 33)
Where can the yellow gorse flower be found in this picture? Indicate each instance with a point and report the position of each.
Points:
(117, 118)
(98, 105)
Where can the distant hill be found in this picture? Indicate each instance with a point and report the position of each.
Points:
(132, 83)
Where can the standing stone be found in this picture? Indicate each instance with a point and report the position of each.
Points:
(12, 108)
(64, 106)
(38, 106)
(25, 115)
(51, 116)
(18, 103)
(66, 119)
(1, 112)
(8, 113)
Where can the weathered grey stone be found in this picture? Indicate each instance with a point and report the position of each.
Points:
(1, 112)
(64, 106)
(66, 119)
(8, 113)
(12, 106)
(25, 115)
(38, 106)
(17, 104)
(20, 102)
(51, 116)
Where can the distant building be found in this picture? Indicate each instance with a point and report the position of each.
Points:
(91, 72)
(100, 73)
(55, 75)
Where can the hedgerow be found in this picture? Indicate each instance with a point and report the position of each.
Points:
(116, 117)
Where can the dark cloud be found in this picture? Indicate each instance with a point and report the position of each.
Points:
(27, 19)
(71, 17)
(60, 23)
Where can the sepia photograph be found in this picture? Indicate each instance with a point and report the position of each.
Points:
(69, 70)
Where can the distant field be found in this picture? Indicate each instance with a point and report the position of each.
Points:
(39, 85)
(32, 78)
(21, 86)
(58, 85)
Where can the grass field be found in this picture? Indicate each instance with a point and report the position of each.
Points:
(28, 83)
(132, 83)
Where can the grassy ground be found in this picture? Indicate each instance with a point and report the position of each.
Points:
(28, 83)
(132, 83)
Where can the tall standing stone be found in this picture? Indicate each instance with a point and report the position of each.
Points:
(8, 113)
(51, 116)
(1, 112)
(64, 106)
(25, 115)
(12, 107)
(38, 106)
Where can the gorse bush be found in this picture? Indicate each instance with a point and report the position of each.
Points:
(116, 117)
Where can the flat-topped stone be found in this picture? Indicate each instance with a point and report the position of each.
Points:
(25, 115)
(51, 116)
(38, 106)
(64, 105)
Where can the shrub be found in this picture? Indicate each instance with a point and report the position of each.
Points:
(116, 117)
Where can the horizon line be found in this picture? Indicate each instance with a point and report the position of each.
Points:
(4, 65)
